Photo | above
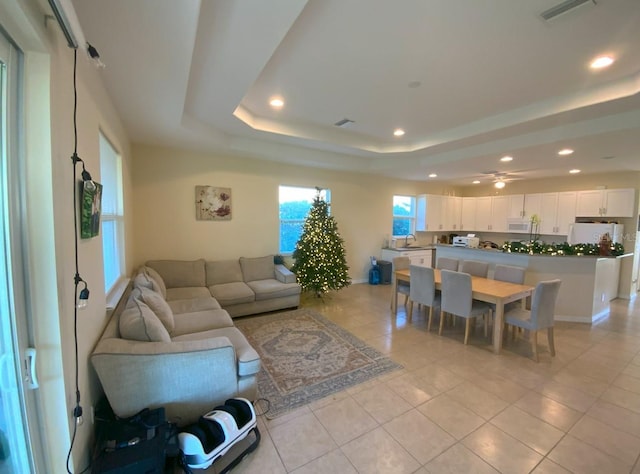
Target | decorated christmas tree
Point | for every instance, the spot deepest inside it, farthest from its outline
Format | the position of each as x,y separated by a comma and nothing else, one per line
320,263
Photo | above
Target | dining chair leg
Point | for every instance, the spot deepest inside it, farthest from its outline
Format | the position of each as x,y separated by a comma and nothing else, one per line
467,327
442,316
410,310
533,335
430,317
552,347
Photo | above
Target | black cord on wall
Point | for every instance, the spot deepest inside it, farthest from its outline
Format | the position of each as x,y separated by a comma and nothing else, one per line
77,411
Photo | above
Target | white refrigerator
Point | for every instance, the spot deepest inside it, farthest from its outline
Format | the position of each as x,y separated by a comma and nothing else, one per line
583,233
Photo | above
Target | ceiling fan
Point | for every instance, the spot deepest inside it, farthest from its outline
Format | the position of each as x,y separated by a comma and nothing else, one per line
500,178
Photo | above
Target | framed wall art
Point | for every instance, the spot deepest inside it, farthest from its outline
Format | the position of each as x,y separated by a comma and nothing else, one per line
213,203
90,209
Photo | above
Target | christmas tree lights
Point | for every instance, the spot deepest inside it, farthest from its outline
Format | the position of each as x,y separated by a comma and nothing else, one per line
320,263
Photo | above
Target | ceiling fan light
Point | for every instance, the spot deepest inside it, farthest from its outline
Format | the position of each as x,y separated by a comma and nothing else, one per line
601,62
499,184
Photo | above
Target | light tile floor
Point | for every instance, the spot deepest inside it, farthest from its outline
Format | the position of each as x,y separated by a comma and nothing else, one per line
462,409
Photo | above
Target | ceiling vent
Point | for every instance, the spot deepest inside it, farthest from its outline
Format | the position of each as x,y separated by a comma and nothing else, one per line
564,7
344,123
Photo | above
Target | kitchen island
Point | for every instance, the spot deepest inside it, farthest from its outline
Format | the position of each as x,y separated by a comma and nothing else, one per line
589,283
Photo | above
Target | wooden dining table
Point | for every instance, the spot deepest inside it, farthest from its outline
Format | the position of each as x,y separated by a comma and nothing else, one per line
483,289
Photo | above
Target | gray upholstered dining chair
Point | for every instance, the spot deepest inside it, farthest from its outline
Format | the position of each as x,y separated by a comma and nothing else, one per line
402,263
423,290
512,274
457,299
540,317
445,263
474,268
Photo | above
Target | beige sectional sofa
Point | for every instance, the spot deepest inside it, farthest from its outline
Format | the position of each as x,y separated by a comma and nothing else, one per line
172,343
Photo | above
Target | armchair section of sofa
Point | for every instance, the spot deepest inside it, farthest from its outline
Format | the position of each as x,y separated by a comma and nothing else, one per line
150,355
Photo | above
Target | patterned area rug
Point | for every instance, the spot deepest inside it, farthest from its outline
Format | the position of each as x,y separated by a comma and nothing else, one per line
306,357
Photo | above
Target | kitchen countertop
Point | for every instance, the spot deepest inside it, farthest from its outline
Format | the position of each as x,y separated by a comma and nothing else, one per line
404,249
532,255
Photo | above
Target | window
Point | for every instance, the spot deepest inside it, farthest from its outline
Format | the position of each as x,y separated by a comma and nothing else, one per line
404,215
112,216
294,207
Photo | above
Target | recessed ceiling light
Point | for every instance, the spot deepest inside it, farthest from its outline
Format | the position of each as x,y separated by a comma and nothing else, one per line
433,175
398,132
565,152
506,158
276,103
499,184
601,62
475,182
574,171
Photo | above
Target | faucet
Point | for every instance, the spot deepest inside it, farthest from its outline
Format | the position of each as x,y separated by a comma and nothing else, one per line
406,239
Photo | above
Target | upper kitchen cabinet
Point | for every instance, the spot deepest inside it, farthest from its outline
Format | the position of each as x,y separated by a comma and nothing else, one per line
557,211
605,203
438,213
468,209
491,213
429,213
451,210
501,208
515,206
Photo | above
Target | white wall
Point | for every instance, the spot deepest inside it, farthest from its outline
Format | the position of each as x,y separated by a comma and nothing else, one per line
164,201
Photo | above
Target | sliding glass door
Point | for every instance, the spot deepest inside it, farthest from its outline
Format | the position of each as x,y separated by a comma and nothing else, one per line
15,377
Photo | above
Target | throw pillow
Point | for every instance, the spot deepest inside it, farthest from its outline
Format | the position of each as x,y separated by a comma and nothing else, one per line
159,306
261,268
157,281
139,323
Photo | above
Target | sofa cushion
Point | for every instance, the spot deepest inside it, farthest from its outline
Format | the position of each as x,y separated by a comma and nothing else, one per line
228,294
187,293
248,358
198,321
268,289
139,323
192,305
261,268
157,304
180,273
223,271
147,277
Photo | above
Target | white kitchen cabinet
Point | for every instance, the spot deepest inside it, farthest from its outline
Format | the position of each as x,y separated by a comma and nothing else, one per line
605,203
483,213
533,205
500,207
429,213
515,206
468,209
557,211
450,212
416,257
437,213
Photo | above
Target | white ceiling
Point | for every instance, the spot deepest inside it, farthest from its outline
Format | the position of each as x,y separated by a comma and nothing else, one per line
494,79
